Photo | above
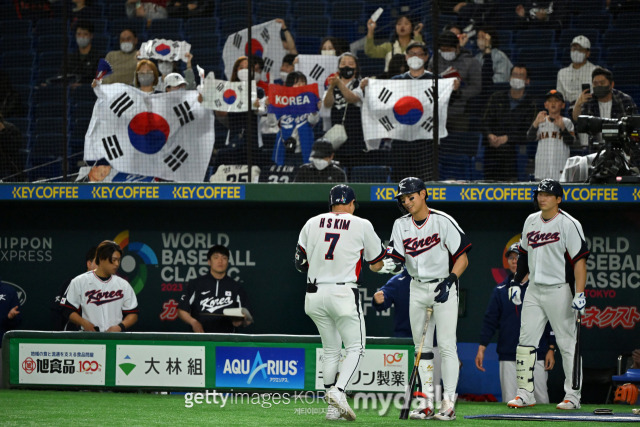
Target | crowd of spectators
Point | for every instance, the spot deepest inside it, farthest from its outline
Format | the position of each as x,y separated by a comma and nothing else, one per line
506,56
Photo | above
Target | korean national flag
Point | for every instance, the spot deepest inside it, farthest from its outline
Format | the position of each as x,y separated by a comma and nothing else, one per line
265,43
317,68
231,97
166,135
164,50
403,109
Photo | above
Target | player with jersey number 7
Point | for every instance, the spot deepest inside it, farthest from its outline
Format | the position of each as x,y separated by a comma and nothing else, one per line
551,239
330,250
434,249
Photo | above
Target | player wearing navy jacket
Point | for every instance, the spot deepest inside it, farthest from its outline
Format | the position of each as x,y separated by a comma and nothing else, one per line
396,292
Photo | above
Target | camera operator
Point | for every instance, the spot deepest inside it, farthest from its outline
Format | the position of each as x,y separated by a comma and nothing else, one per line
605,102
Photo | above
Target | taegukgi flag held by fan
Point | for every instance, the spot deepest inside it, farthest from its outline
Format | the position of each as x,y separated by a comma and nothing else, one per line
166,135
403,109
265,43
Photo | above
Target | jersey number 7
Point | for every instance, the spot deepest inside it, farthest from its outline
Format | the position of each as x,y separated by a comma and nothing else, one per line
333,238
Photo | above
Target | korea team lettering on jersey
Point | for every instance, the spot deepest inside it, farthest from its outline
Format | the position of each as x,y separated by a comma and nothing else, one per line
550,245
348,238
103,303
439,235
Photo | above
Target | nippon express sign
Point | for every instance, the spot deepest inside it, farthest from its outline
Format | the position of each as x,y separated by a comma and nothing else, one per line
260,367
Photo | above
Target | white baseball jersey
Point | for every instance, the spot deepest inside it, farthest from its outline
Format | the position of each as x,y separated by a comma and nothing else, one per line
335,243
550,245
552,153
102,302
428,250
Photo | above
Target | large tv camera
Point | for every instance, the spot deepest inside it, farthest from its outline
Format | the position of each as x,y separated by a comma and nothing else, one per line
618,154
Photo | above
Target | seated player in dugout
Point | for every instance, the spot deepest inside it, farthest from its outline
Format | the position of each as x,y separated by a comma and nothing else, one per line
215,302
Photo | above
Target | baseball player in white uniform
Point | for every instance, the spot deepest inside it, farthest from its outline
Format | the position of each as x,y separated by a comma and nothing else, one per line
555,134
330,249
98,300
434,250
551,239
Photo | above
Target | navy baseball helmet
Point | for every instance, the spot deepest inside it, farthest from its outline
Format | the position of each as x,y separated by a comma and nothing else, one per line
515,248
550,186
341,195
408,186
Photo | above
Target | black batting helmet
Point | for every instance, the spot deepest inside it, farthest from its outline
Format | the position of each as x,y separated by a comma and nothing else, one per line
341,195
550,186
513,248
408,186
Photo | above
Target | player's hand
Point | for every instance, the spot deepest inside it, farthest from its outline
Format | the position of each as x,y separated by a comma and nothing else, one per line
443,287
378,297
579,302
13,312
388,266
549,360
515,293
541,117
197,327
480,358
114,328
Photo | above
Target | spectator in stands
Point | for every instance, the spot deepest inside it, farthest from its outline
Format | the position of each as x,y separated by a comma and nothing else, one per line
10,316
571,78
83,62
333,46
345,108
147,76
147,9
288,43
496,65
605,102
82,11
286,68
321,166
294,141
463,38
174,81
87,306
12,149
405,33
555,135
206,299
504,124
190,8
11,105
397,65
541,14
123,62
168,67
454,63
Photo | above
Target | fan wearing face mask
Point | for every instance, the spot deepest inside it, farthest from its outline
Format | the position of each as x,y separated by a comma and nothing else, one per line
605,101
170,67
84,61
147,76
321,166
452,62
572,77
505,122
123,61
405,33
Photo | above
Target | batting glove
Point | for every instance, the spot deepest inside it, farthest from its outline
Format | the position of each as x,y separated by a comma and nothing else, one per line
443,287
515,293
579,302
388,266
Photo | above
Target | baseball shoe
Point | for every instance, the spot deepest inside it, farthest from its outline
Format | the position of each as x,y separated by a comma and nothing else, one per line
567,405
338,400
333,414
447,411
425,407
519,402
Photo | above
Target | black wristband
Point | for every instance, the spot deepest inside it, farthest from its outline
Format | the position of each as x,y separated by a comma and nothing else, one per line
452,277
122,328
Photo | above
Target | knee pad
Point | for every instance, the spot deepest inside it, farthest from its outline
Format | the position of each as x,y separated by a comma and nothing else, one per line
525,361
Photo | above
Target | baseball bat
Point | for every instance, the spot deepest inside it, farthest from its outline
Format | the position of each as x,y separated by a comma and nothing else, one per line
575,377
408,394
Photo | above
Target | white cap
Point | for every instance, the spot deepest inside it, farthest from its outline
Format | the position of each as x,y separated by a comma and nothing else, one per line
582,41
174,80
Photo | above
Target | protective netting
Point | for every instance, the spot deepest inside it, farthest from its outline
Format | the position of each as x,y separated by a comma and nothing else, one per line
340,91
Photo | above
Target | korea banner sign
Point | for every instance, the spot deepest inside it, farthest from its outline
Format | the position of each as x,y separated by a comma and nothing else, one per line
403,109
293,101
166,135
265,43
164,50
317,68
